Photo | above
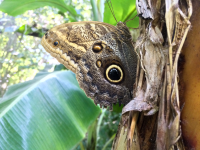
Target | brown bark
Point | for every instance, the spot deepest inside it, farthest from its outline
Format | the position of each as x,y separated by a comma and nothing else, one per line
163,28
190,83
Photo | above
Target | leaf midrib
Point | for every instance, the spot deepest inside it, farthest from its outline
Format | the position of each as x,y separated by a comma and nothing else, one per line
17,98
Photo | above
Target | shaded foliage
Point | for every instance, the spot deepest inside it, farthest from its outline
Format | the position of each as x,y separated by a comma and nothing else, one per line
21,57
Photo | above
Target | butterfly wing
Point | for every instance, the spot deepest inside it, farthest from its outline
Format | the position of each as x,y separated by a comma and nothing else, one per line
100,54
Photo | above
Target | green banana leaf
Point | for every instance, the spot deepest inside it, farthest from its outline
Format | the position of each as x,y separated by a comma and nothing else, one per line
50,112
123,10
17,7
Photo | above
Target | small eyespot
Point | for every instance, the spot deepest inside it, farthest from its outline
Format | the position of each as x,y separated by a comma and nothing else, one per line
56,43
98,63
97,48
114,74
46,35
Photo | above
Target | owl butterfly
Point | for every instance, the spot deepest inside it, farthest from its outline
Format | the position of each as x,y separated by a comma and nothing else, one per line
101,55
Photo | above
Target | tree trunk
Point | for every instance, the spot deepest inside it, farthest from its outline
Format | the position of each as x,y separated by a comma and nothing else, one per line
190,83
152,119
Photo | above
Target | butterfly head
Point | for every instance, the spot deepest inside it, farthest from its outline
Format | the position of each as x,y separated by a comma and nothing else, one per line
56,42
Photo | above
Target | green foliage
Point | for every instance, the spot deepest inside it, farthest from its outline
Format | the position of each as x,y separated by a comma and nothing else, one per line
102,132
51,111
117,108
48,112
19,59
123,10
24,29
18,7
59,67
21,56
108,129
95,11
28,30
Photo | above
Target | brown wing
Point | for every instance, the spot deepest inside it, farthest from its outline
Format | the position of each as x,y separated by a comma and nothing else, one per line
73,40
100,54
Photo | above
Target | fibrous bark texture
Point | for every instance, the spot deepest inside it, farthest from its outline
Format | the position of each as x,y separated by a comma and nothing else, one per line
152,119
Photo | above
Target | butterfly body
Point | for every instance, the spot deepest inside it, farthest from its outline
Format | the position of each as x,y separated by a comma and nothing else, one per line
101,55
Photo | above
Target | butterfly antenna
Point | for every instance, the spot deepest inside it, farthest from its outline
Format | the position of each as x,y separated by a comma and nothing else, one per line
131,19
111,9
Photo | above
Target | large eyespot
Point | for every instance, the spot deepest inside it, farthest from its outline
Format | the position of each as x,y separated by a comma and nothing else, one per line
97,48
56,43
114,74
